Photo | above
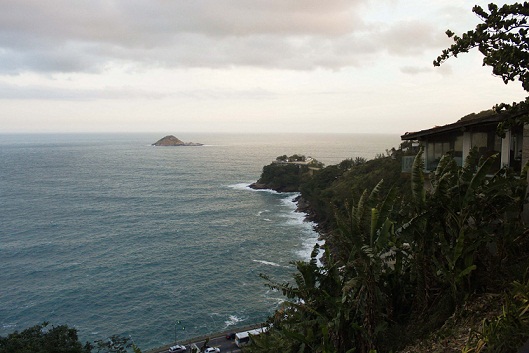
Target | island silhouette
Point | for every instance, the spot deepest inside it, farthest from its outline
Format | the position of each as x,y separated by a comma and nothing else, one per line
171,140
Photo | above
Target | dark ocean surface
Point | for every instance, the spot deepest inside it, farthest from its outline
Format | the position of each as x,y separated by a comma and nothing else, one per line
110,235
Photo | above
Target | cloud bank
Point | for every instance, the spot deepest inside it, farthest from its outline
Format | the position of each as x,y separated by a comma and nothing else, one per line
89,36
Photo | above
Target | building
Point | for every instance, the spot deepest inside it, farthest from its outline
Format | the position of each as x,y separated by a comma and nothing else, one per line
474,130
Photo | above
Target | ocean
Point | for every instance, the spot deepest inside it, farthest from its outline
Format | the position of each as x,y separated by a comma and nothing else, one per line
110,235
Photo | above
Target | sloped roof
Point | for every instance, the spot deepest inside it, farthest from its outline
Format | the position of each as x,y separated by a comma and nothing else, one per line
467,121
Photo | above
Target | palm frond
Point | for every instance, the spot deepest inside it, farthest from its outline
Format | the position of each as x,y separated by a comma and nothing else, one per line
479,177
417,180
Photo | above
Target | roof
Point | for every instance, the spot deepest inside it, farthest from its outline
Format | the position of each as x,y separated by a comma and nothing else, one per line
461,124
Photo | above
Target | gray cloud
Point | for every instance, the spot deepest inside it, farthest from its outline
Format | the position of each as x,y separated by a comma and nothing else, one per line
409,38
84,36
15,92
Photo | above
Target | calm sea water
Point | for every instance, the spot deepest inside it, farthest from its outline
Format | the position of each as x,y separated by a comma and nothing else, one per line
110,235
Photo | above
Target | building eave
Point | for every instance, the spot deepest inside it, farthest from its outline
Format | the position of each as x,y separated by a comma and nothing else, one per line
458,125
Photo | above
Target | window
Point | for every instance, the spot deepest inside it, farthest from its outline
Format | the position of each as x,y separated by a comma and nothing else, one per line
438,146
487,143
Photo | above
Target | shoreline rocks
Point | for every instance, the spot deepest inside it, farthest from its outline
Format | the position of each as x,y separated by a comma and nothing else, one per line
260,186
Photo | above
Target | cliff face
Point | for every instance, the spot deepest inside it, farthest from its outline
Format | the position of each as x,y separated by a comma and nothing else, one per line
281,177
170,140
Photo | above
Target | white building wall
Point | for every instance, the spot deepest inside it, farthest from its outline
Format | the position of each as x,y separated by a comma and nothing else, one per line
506,149
467,145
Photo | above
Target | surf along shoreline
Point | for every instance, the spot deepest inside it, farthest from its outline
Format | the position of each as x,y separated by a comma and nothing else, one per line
302,206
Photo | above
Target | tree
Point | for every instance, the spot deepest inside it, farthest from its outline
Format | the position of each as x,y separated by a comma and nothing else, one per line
116,344
461,228
340,305
503,41
61,339
41,339
364,238
283,158
302,325
282,177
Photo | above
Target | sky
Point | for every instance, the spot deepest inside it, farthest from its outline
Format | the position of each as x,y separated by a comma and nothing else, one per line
241,66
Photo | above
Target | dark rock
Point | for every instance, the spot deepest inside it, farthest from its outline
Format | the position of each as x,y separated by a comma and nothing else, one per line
258,186
261,186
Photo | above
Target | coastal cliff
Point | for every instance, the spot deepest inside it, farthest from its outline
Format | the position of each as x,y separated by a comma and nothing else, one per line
171,140
286,174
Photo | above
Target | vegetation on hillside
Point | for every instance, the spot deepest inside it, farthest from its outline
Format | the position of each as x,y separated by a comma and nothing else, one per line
287,173
402,257
337,185
398,263
399,260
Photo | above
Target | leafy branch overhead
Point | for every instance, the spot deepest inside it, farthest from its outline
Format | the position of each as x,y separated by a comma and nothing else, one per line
502,39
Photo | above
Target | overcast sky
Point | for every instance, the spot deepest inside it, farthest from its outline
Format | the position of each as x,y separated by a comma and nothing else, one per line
238,66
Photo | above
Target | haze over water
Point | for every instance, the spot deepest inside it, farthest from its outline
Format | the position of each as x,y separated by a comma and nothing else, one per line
110,235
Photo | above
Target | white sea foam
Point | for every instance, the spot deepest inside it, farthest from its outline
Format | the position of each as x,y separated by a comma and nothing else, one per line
298,219
308,245
289,200
246,187
266,191
276,300
274,297
267,263
259,214
293,216
241,186
233,320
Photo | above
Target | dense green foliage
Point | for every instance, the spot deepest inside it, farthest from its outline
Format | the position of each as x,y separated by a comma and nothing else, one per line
282,177
336,186
61,339
502,39
509,331
286,174
400,259
424,250
41,339
293,158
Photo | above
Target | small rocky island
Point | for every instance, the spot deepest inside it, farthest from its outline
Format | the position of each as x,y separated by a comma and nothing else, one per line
170,140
